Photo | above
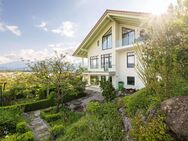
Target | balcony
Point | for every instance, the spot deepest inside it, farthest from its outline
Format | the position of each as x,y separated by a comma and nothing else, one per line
128,43
101,71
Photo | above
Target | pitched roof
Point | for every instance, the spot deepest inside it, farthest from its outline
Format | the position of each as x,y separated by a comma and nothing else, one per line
106,14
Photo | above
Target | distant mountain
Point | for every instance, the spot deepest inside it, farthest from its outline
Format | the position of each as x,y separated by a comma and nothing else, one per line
13,66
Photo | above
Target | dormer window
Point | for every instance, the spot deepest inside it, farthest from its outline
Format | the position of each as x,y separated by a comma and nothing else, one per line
128,36
107,40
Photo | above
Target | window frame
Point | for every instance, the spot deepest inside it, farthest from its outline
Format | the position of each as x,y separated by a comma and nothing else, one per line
127,33
106,36
92,66
129,80
130,54
103,61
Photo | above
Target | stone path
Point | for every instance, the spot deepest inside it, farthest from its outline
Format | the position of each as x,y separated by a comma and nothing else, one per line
80,104
38,126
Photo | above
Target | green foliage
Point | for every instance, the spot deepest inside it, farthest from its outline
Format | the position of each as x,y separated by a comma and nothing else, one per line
163,54
140,101
57,130
31,106
8,120
51,117
22,127
102,122
152,130
41,104
64,117
42,94
108,91
28,136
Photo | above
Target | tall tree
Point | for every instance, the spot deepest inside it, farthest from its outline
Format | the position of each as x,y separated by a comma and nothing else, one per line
163,55
54,72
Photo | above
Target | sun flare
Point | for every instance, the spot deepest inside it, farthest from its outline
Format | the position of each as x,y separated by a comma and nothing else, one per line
158,7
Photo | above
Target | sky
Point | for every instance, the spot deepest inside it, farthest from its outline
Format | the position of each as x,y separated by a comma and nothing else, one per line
34,29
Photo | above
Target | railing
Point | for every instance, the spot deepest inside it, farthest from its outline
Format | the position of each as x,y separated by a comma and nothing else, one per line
104,69
124,43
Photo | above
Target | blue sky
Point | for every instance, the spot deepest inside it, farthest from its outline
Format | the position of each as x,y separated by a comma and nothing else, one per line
32,29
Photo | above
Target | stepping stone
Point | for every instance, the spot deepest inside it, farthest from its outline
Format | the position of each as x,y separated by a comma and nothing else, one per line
38,126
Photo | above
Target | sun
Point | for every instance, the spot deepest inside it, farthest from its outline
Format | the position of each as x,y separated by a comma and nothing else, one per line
158,7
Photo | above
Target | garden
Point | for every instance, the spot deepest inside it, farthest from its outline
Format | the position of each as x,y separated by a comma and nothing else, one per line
53,82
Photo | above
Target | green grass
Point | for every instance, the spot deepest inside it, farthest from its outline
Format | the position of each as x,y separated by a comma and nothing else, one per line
66,117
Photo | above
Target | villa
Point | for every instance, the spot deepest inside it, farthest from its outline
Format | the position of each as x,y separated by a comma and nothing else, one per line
109,47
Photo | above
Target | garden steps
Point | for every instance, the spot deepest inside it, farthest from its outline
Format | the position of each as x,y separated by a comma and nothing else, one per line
80,104
39,127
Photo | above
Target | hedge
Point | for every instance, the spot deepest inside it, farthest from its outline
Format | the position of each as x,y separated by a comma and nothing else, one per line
68,98
41,104
32,106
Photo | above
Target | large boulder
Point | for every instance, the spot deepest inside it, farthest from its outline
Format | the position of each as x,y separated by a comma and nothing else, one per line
176,111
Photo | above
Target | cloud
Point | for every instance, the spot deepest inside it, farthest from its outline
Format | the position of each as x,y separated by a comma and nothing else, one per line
12,28
66,29
43,26
37,55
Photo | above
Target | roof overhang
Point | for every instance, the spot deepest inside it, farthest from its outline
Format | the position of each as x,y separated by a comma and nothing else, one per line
121,17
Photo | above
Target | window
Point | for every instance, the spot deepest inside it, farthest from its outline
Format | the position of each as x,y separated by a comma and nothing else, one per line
94,80
94,62
107,40
98,43
130,80
128,36
106,61
130,60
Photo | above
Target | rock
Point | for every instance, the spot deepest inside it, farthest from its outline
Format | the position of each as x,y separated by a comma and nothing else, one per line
126,124
176,111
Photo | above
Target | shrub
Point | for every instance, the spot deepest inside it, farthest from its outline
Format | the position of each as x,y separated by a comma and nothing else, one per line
28,136
108,90
32,106
140,101
51,117
38,105
68,97
11,138
57,130
102,122
21,127
93,107
42,93
152,130
8,120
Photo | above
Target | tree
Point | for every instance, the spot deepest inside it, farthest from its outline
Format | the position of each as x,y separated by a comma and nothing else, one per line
108,91
163,55
54,72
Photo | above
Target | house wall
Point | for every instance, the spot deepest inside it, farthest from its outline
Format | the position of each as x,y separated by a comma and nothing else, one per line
119,58
95,50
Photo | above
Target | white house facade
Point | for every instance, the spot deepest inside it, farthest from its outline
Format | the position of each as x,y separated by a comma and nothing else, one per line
109,48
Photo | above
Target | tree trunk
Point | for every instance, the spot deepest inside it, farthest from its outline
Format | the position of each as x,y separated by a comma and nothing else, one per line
58,99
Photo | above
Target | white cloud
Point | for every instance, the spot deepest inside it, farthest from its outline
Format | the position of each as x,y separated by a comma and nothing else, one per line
66,29
36,55
43,26
12,28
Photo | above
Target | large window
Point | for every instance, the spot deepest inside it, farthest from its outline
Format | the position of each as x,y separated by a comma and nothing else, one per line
128,36
94,62
130,80
106,61
130,60
107,40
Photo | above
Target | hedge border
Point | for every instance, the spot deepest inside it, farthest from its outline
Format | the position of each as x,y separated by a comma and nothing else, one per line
32,106
41,104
